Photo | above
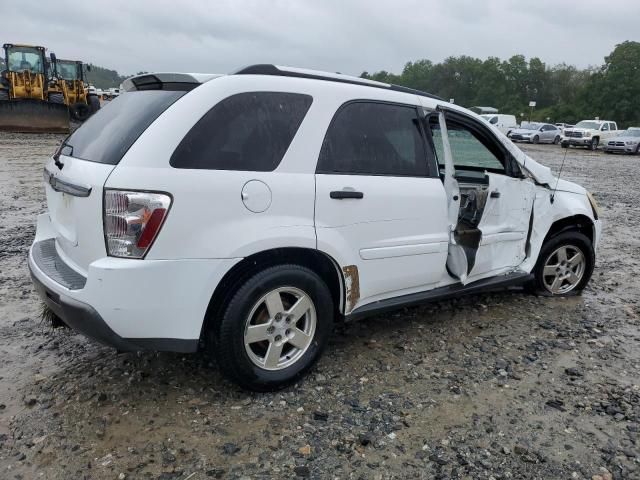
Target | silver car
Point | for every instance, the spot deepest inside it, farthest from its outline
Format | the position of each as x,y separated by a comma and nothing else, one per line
537,133
627,142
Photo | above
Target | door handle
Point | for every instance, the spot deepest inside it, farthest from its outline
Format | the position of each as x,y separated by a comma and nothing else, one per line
340,194
495,194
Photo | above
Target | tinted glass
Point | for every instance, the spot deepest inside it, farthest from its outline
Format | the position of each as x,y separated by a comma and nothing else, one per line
374,139
467,148
111,131
248,131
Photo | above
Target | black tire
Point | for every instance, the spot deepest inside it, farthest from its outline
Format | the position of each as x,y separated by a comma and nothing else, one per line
80,111
556,140
570,238
593,146
226,335
94,103
536,139
56,98
638,149
564,145
4,95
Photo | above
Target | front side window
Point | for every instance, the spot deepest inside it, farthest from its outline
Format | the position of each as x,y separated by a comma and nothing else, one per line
367,138
469,147
248,131
605,127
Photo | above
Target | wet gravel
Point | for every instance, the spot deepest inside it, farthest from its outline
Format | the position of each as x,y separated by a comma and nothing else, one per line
504,385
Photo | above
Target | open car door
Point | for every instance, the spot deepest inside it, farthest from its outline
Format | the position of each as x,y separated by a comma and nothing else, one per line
490,202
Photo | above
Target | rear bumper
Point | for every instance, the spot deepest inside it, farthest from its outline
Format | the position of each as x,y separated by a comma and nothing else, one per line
128,304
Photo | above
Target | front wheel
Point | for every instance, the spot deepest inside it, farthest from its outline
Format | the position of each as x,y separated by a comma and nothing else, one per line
565,265
274,328
536,139
593,146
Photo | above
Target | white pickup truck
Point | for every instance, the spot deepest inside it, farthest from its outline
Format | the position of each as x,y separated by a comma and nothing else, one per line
589,133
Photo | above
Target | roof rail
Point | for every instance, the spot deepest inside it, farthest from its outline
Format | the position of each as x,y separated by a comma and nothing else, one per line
269,69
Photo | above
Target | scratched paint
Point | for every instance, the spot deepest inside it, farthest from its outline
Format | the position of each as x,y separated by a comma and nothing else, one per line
352,286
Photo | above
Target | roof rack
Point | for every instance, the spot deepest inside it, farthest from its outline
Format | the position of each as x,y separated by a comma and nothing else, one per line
269,69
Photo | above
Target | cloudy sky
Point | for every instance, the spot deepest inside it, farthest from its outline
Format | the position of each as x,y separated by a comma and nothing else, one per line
349,36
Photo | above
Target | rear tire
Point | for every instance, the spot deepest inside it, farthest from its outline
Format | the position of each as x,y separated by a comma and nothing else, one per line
80,111
4,95
564,145
56,98
564,265
556,140
274,355
94,103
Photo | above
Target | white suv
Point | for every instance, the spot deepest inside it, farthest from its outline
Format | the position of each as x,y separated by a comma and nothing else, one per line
245,213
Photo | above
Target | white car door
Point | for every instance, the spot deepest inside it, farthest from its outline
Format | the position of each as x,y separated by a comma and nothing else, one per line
496,203
380,205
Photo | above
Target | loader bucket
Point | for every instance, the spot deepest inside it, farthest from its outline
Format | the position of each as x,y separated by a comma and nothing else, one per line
33,116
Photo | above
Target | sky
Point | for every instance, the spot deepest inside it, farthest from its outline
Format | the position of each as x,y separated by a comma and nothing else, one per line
349,36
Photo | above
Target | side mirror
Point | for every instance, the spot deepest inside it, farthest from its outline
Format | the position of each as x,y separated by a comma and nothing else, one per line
53,57
88,68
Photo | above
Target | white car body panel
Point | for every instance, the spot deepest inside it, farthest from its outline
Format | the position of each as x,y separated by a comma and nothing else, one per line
397,236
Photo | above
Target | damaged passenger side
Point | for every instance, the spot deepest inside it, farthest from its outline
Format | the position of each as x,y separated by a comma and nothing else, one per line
474,170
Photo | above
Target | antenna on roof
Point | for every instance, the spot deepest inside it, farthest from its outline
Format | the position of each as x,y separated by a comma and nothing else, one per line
553,195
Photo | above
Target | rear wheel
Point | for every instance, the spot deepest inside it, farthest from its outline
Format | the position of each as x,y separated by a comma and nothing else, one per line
565,265
94,103
80,111
4,95
564,145
274,328
56,98
556,140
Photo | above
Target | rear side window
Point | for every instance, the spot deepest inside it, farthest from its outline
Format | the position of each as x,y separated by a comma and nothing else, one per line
111,131
248,131
374,139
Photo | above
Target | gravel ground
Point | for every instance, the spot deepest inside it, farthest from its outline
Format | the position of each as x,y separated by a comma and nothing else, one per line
503,385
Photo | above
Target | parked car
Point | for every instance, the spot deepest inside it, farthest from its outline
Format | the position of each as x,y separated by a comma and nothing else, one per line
628,141
247,213
562,126
589,133
504,123
537,133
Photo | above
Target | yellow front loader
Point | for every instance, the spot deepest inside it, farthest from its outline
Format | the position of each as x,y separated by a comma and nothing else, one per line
67,85
24,95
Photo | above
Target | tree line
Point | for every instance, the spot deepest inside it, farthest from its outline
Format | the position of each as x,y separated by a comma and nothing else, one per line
563,93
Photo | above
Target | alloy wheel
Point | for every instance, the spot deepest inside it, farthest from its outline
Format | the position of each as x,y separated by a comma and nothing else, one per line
563,270
280,328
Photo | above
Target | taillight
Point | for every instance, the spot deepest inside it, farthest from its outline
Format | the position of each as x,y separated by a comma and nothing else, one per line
132,221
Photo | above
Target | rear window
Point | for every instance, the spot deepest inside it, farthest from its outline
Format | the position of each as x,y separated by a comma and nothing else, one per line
248,131
108,134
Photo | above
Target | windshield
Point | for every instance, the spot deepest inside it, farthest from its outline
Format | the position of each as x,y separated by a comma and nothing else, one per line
25,58
589,125
632,132
531,126
68,70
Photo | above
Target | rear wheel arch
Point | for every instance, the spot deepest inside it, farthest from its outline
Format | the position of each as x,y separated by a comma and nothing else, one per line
319,262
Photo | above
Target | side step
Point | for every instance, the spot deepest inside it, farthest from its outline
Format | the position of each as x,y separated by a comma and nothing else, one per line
485,285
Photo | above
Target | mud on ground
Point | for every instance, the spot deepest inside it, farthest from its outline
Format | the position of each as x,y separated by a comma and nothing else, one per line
503,385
